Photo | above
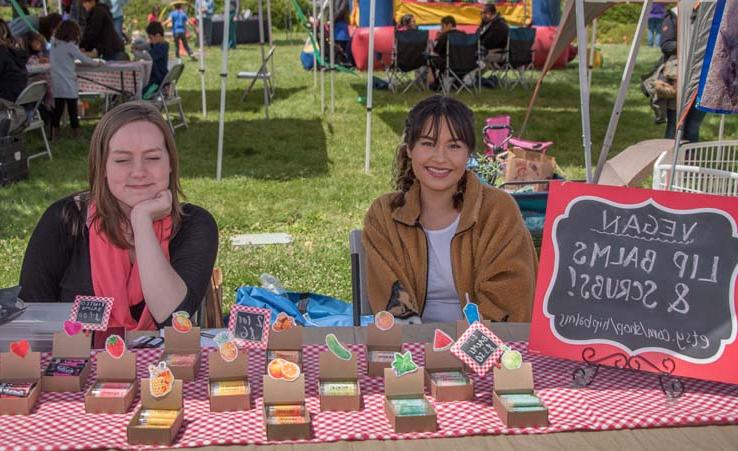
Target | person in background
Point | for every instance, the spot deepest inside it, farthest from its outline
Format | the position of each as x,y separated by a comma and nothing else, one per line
64,52
341,32
207,7
47,25
655,21
35,45
178,21
159,51
493,33
154,14
13,61
443,237
407,22
232,35
100,38
128,236
116,10
438,59
694,118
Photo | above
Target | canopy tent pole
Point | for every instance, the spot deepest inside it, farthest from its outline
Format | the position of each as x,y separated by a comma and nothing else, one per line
583,88
315,33
590,62
223,83
332,38
721,129
369,88
61,10
322,68
201,25
617,109
46,10
263,57
271,42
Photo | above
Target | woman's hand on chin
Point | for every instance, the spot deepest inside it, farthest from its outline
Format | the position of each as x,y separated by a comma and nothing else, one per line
153,209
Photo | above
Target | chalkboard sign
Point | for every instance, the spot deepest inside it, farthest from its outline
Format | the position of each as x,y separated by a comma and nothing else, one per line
640,271
250,326
479,348
92,312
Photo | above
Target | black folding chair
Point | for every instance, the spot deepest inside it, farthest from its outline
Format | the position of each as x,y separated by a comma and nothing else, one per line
408,56
520,57
463,63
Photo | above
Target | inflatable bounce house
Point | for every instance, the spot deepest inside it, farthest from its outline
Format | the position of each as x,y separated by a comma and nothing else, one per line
543,15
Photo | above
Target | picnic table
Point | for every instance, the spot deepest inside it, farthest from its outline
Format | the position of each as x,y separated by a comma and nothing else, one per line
619,400
126,78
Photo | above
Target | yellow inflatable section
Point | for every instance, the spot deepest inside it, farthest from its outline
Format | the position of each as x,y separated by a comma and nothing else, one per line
518,13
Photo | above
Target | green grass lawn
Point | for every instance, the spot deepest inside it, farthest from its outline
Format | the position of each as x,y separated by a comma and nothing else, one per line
303,173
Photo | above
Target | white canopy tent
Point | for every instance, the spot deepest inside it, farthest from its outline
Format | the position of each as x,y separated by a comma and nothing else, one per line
692,39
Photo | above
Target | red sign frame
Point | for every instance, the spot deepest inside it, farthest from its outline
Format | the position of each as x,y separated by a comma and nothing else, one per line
544,340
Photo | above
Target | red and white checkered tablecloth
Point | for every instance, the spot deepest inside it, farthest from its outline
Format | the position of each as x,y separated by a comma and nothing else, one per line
115,77
617,399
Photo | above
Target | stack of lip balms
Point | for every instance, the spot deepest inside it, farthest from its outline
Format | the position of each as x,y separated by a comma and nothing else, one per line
382,356
229,388
286,414
342,388
157,418
411,407
290,356
521,402
110,389
16,390
449,378
181,359
65,367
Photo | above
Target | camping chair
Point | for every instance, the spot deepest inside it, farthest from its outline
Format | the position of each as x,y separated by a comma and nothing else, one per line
358,277
462,61
262,74
166,96
520,56
407,57
30,99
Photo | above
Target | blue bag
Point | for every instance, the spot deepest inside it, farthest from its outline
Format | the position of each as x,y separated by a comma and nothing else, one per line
308,309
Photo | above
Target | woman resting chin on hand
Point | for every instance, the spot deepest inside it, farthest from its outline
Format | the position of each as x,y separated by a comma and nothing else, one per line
128,237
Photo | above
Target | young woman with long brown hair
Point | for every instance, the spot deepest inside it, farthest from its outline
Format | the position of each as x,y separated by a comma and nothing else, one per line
443,235
128,236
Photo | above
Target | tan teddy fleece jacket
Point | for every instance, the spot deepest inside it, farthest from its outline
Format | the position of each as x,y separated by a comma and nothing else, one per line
493,257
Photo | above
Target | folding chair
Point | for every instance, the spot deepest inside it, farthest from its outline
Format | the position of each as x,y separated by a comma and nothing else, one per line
408,56
462,61
30,99
520,56
262,74
166,96
358,277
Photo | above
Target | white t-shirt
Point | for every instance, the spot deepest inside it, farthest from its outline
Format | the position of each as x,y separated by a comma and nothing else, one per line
442,301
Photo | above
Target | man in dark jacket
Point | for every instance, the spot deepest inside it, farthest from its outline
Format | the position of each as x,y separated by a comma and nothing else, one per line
99,33
13,74
669,35
493,33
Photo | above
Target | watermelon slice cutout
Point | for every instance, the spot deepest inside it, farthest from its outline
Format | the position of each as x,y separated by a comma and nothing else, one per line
441,340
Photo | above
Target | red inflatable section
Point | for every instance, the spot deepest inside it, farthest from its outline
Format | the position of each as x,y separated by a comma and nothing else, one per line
384,37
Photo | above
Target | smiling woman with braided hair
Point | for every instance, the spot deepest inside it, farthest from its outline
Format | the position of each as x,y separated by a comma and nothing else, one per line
442,234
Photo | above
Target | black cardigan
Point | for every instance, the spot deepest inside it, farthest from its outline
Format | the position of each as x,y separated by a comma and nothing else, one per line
100,33
56,266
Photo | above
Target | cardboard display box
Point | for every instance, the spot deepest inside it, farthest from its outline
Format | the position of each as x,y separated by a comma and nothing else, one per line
281,392
110,369
286,340
407,387
141,435
333,369
182,343
65,347
381,340
516,381
437,361
15,369
220,370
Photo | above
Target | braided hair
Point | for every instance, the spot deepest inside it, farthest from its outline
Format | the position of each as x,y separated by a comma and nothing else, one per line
425,120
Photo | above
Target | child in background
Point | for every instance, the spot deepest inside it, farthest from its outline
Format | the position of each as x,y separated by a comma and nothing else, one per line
178,21
154,14
139,47
64,51
35,45
159,51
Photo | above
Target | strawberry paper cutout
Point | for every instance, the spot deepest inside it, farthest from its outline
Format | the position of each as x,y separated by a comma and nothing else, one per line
20,348
72,328
115,346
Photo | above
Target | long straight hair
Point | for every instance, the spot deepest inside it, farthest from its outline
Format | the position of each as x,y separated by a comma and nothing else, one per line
425,120
111,219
